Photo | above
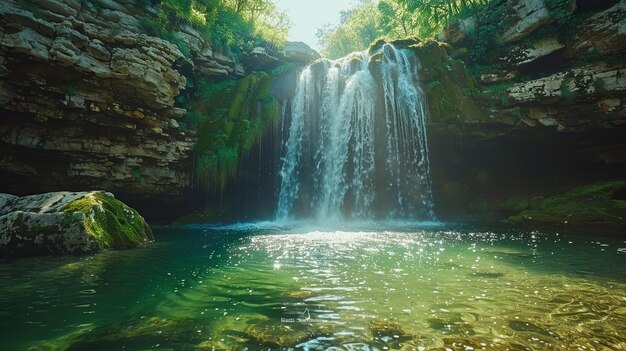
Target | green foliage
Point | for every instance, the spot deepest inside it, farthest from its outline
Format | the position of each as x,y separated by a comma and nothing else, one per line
368,20
70,90
237,24
499,91
217,165
517,203
433,84
566,92
194,119
137,174
599,85
209,90
486,32
230,117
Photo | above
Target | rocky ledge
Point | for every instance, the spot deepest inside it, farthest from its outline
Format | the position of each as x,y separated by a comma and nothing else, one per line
599,205
72,223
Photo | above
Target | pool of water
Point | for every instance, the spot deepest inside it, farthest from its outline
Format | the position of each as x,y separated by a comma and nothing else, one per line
389,286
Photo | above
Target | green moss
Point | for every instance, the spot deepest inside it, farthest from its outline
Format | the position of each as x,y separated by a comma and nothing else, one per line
599,85
70,90
566,92
517,203
449,89
433,84
137,174
110,222
376,45
586,205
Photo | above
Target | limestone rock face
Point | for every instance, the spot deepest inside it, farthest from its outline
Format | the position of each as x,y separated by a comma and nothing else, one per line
67,223
572,95
259,59
87,101
565,79
587,80
294,51
550,117
604,33
526,16
539,48
207,60
300,52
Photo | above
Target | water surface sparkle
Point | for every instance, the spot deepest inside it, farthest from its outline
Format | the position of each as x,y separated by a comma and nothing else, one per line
302,286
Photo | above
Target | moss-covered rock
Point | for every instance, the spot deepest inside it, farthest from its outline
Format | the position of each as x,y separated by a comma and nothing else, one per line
67,223
449,89
593,205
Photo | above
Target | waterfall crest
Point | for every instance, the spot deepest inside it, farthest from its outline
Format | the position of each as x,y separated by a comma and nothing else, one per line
357,145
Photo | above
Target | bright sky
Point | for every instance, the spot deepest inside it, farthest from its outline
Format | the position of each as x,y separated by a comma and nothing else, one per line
309,15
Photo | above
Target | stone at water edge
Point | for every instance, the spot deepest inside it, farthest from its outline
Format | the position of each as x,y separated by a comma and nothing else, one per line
62,223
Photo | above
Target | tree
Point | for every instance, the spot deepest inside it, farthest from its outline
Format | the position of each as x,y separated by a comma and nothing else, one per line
358,27
368,20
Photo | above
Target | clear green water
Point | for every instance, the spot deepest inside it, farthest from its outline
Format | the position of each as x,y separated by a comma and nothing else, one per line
383,288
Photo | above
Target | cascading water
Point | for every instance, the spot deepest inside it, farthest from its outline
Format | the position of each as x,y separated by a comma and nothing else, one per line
357,144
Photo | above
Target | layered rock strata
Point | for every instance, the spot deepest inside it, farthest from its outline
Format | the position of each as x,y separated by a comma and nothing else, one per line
87,101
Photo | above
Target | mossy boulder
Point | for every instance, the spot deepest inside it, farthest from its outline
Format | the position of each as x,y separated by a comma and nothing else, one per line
73,223
598,205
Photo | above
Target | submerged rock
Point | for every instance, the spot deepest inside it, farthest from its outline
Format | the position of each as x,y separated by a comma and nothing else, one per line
384,327
278,334
67,223
138,333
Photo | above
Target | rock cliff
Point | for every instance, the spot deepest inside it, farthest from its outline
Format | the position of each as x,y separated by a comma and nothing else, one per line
90,102
539,110
87,102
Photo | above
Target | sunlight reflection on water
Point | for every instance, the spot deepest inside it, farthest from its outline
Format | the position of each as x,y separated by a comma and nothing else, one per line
299,286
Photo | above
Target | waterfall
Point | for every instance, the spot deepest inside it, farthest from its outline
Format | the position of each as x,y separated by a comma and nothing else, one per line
357,143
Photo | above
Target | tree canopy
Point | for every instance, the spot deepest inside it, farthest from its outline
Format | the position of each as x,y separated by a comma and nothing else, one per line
368,20
239,24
